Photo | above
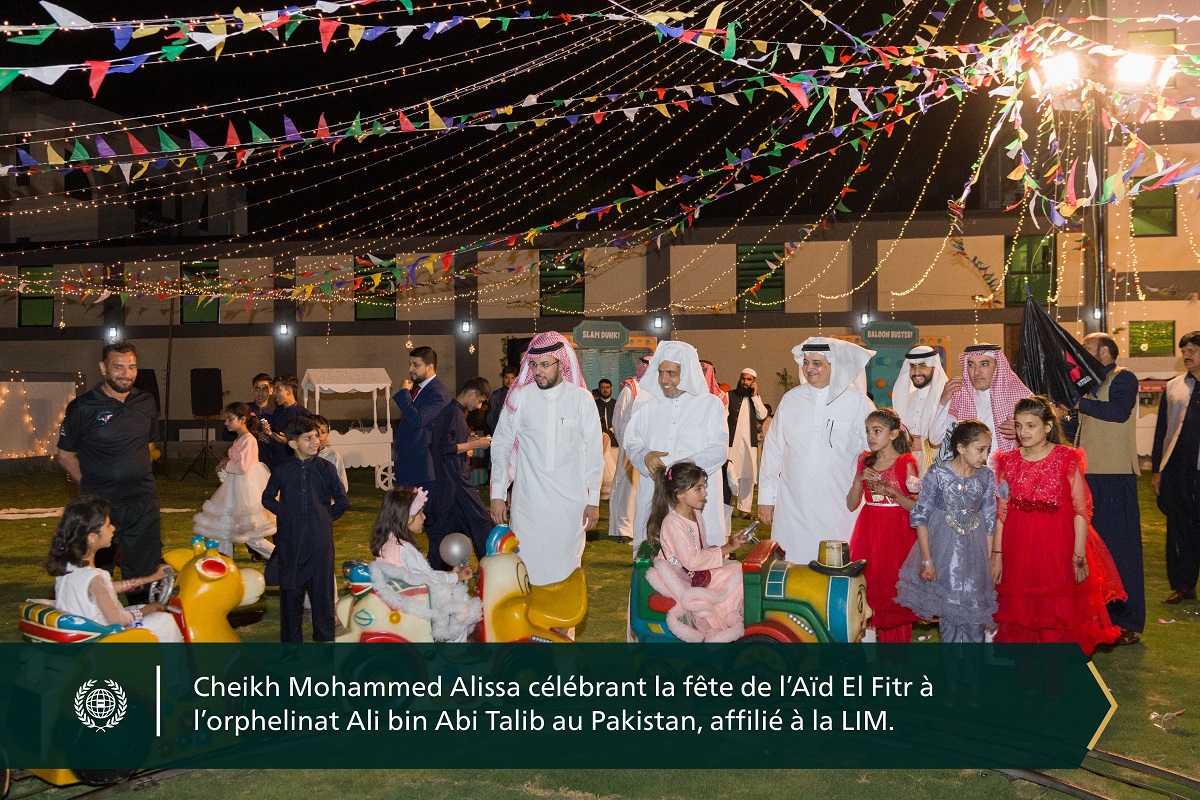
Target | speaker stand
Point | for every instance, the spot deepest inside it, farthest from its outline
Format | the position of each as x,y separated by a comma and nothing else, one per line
202,457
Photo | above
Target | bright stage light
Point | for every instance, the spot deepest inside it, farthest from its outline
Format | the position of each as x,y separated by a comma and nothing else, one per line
1135,71
1061,72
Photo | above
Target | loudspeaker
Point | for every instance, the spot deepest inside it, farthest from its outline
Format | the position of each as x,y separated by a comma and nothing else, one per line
147,381
516,350
208,398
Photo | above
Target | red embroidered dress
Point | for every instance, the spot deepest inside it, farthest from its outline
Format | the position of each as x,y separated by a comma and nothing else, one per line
884,537
1038,596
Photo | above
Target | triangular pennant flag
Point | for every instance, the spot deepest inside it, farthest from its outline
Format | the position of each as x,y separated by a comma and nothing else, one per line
257,136
327,26
7,76
195,142
43,33
79,153
53,158
124,166
405,124
66,19
103,148
249,21
289,130
355,32
126,66
47,75
136,147
166,142
121,36
98,70
435,122
322,128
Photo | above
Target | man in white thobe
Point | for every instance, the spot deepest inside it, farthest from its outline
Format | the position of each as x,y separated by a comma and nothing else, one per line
916,397
549,433
621,501
811,451
987,390
676,419
746,415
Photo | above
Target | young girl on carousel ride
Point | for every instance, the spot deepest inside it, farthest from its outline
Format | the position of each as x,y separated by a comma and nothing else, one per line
1052,571
451,610
82,589
706,587
235,512
883,534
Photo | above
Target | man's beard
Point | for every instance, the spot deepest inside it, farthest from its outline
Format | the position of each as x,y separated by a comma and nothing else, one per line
920,381
118,389
744,391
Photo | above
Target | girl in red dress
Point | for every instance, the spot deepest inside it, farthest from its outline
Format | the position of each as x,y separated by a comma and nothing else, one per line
882,533
1053,573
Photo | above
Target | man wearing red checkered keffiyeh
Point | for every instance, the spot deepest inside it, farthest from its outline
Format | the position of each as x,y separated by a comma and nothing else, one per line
986,390
547,445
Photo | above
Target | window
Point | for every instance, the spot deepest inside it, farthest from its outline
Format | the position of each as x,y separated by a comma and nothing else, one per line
199,278
1031,263
1152,338
1159,44
560,275
35,308
375,299
1153,212
752,264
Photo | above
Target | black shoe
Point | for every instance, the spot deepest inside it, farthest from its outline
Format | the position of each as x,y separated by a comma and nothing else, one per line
1179,595
1127,637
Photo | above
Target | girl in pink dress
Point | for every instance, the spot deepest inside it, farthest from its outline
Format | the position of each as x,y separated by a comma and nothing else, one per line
882,534
1052,572
451,611
706,587
235,512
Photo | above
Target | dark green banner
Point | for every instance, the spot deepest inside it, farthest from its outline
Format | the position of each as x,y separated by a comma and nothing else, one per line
759,705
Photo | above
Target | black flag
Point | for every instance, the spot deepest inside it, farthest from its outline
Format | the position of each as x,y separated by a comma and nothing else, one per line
1050,362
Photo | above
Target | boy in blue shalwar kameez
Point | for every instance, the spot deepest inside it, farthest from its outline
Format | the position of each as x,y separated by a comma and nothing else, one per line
306,496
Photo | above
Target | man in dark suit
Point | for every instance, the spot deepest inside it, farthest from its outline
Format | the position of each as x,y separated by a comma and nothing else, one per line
456,505
420,399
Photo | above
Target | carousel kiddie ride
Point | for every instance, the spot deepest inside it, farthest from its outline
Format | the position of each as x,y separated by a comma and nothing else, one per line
200,592
513,609
202,589
822,601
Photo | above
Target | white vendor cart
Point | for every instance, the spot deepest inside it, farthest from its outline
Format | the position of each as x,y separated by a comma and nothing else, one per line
358,447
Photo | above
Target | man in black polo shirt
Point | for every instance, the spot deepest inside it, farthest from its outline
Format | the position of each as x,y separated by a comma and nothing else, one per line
104,445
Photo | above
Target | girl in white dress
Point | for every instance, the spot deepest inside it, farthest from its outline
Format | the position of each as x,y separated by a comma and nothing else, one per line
235,512
83,590
402,515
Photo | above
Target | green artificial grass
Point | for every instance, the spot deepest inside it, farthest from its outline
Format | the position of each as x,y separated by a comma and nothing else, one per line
1159,675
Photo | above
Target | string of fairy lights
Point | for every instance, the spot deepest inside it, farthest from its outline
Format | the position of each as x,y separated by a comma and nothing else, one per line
655,196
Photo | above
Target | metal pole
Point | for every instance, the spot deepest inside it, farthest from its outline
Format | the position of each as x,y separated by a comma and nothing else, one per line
1099,212
1099,8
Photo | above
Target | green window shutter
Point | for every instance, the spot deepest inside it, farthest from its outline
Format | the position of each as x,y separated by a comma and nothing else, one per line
1153,212
560,283
753,262
35,309
199,277
371,301
1032,262
1152,338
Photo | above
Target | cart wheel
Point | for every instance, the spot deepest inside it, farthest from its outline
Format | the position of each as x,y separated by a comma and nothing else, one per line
384,478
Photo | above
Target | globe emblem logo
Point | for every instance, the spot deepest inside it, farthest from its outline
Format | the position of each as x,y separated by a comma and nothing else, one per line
100,708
